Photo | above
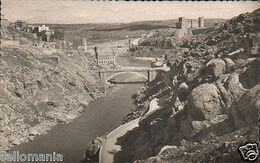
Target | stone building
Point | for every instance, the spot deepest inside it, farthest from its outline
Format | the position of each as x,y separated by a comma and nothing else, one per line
190,23
106,60
48,36
83,45
104,56
19,24
43,28
201,22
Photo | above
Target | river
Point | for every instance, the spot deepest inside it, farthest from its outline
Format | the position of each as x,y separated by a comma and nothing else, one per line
100,117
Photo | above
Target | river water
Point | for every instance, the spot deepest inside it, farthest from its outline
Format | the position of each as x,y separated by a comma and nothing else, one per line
100,117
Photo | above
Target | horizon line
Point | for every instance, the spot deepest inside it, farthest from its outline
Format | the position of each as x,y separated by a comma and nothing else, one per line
118,22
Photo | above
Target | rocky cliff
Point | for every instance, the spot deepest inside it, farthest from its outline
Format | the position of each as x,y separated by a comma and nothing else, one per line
38,91
209,101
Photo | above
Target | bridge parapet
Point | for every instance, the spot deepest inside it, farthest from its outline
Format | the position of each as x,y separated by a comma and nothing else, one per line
149,72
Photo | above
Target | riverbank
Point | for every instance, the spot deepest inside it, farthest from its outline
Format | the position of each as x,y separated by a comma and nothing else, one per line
100,117
96,118
39,91
110,141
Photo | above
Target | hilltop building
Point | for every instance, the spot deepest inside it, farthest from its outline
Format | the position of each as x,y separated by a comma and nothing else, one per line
28,28
201,22
43,28
19,24
190,23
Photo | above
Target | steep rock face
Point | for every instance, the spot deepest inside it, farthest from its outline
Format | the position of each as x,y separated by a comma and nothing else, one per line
215,99
37,91
214,108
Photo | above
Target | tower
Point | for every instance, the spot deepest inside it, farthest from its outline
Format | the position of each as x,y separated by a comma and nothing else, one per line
201,22
180,24
48,36
84,42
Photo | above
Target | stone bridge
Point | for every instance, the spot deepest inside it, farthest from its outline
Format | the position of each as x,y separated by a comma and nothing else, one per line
148,72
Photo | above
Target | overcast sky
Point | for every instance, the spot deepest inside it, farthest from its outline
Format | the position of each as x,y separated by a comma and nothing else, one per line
82,11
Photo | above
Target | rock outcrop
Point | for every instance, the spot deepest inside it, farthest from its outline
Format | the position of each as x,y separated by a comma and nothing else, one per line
211,107
38,91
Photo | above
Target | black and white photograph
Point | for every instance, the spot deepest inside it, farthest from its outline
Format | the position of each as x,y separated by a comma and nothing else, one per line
86,81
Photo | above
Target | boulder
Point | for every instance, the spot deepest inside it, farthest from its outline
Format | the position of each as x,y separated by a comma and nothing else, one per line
245,111
216,67
250,76
229,64
199,126
234,87
204,102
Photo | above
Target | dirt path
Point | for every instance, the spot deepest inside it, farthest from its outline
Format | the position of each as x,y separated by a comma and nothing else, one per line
109,147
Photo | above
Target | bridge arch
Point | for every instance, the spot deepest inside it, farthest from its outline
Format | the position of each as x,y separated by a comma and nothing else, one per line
118,73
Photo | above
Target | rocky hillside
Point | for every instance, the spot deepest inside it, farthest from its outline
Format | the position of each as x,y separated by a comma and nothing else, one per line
38,91
209,101
160,42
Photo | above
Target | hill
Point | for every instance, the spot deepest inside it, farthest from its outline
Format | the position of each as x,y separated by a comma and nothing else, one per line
214,97
39,91
206,106
141,25
103,32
